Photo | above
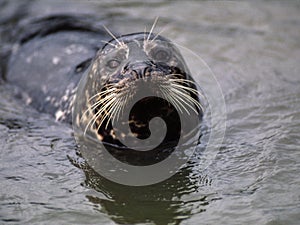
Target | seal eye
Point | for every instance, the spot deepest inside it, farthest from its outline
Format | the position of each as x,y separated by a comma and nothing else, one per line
113,63
162,55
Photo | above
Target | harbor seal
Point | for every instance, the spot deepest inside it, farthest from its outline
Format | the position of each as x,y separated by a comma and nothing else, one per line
128,66
49,62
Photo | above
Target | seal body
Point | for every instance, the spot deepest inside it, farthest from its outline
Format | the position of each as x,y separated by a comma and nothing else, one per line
55,53
49,58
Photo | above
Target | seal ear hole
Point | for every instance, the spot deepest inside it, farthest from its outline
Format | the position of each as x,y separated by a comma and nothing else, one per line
83,65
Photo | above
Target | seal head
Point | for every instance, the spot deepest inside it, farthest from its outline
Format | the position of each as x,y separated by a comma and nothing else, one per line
141,64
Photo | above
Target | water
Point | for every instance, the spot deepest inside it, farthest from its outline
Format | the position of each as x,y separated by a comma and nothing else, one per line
254,51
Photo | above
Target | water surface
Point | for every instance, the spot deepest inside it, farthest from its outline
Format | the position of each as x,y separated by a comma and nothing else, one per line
254,51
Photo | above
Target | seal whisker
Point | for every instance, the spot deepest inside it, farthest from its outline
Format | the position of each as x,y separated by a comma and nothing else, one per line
183,81
113,36
125,99
152,28
145,31
111,108
120,99
185,96
98,116
92,121
165,93
112,112
186,88
181,101
102,101
111,104
174,100
197,104
159,33
89,109
182,92
194,90
96,104
102,93
120,106
117,109
111,44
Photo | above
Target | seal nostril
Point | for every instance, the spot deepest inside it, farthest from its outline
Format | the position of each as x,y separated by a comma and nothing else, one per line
126,67
137,70
142,69
144,72
147,71
135,74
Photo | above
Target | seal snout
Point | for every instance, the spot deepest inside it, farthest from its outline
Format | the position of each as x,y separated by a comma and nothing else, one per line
142,70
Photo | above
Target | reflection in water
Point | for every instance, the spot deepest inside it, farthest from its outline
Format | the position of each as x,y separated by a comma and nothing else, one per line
162,203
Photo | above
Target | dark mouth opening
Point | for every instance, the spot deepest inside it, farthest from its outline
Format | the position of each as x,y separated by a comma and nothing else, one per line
139,118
